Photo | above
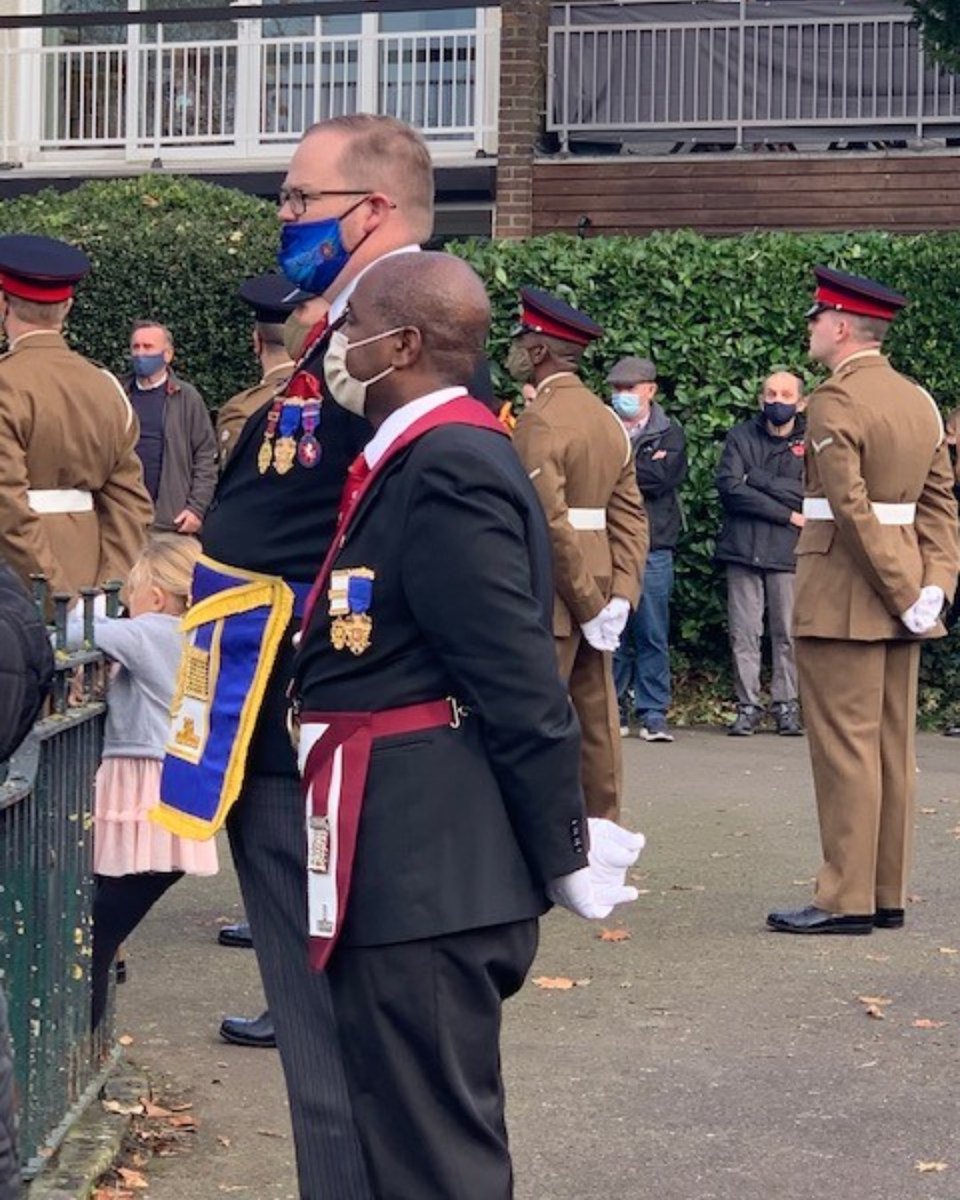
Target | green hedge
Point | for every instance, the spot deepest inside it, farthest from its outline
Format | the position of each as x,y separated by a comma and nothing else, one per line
716,315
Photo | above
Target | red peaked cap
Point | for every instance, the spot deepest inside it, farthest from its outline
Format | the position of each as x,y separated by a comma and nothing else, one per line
38,268
542,313
854,294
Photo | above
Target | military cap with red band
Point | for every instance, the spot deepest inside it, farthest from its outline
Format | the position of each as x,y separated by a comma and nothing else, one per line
542,313
39,268
854,294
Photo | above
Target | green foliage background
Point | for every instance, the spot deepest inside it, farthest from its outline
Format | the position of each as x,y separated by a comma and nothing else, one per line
715,314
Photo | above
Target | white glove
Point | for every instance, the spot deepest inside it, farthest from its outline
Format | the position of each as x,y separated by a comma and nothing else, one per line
595,890
924,613
618,611
598,633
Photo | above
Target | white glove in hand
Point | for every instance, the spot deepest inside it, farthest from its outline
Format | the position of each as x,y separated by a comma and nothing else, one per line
617,610
598,633
924,613
595,890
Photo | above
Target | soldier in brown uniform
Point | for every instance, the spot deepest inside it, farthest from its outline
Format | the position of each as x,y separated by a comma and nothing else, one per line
72,502
877,557
270,298
579,458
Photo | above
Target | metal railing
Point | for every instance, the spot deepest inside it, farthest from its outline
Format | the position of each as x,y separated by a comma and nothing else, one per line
737,72
243,96
46,905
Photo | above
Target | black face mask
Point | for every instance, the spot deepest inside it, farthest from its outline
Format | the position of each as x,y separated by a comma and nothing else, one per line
778,413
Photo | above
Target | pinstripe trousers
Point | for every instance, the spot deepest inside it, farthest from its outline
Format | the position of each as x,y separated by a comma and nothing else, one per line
269,848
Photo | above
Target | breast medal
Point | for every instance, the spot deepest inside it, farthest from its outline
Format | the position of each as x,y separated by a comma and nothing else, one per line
285,449
351,597
265,457
308,452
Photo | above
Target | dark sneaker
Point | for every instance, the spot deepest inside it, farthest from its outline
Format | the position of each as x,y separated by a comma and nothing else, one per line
748,719
786,713
654,728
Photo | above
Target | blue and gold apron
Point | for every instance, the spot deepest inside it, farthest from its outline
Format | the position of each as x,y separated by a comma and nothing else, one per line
234,629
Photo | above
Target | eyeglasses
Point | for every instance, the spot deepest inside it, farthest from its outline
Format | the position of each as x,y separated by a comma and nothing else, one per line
297,199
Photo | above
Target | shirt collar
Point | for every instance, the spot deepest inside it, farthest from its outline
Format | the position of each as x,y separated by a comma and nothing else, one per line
32,333
287,365
552,379
857,354
339,302
400,421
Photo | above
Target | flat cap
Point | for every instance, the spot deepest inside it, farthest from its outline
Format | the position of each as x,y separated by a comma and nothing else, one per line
270,297
542,313
631,370
39,268
854,294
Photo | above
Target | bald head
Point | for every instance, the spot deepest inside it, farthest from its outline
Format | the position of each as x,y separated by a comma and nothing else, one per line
441,296
783,386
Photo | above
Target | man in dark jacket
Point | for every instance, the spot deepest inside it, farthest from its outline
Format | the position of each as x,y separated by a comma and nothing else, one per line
760,481
26,669
177,446
660,455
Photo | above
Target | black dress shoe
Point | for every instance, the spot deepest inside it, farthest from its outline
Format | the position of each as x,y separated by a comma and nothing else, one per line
815,920
244,1031
889,918
236,935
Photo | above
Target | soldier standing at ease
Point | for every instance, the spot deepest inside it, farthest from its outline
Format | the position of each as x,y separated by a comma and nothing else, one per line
876,559
269,297
579,458
72,502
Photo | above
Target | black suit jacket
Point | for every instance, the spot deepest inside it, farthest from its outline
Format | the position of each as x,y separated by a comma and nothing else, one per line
461,828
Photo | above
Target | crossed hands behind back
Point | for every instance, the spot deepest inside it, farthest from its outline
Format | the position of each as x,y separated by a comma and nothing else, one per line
595,890
924,613
603,631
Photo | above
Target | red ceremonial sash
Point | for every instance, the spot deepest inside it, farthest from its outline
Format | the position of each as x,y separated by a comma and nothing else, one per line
335,747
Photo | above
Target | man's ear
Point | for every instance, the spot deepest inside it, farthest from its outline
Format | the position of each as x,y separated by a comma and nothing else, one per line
410,348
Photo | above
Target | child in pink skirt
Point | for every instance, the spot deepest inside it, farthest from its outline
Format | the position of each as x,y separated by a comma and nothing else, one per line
135,861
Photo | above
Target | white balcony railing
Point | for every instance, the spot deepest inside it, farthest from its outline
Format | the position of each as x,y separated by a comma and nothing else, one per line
242,98
735,71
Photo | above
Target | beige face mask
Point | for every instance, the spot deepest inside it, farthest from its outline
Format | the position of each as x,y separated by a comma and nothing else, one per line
294,335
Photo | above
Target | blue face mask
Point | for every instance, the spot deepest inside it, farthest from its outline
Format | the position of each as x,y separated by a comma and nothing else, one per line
145,365
312,253
625,404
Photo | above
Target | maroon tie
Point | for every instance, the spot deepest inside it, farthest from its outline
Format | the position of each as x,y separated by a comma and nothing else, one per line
357,474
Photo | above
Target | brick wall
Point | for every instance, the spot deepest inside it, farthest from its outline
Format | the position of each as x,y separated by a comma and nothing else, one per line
522,92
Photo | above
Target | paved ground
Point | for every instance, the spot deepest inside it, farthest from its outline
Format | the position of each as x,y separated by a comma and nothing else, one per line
706,1059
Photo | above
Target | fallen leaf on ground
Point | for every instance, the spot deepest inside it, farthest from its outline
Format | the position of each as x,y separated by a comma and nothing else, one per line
132,1179
614,935
873,1011
125,1039
915,898
928,812
878,957
925,1167
180,1107
155,1110
271,1133
112,1193
183,1122
558,983
926,1023
877,1000
123,1108
948,950
224,1141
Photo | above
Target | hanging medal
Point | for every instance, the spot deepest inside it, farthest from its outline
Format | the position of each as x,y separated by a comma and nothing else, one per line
354,594
308,452
285,448
265,457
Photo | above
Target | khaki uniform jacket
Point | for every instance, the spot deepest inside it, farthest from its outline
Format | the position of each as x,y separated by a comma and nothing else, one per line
66,423
873,436
578,455
232,416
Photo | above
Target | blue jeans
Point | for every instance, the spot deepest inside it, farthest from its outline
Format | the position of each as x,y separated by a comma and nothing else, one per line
643,660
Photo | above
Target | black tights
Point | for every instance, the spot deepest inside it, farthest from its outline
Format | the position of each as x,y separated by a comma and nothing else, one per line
120,903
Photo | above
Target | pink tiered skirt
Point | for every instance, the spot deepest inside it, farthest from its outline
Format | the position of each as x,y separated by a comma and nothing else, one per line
125,841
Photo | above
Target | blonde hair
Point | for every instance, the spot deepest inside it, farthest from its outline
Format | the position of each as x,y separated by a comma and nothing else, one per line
386,155
167,562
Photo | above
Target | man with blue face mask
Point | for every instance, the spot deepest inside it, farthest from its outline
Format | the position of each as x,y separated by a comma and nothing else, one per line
358,189
641,665
176,447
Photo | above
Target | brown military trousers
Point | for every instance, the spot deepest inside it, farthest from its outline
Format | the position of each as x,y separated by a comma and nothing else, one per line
859,707
588,674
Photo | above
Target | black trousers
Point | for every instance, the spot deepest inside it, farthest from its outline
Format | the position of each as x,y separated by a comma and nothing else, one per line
269,845
420,1033
9,1169
120,902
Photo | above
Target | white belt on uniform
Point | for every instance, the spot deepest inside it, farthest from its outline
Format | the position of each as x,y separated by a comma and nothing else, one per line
60,500
817,508
587,518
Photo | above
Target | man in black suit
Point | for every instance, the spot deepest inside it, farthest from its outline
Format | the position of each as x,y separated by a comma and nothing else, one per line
357,188
439,750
